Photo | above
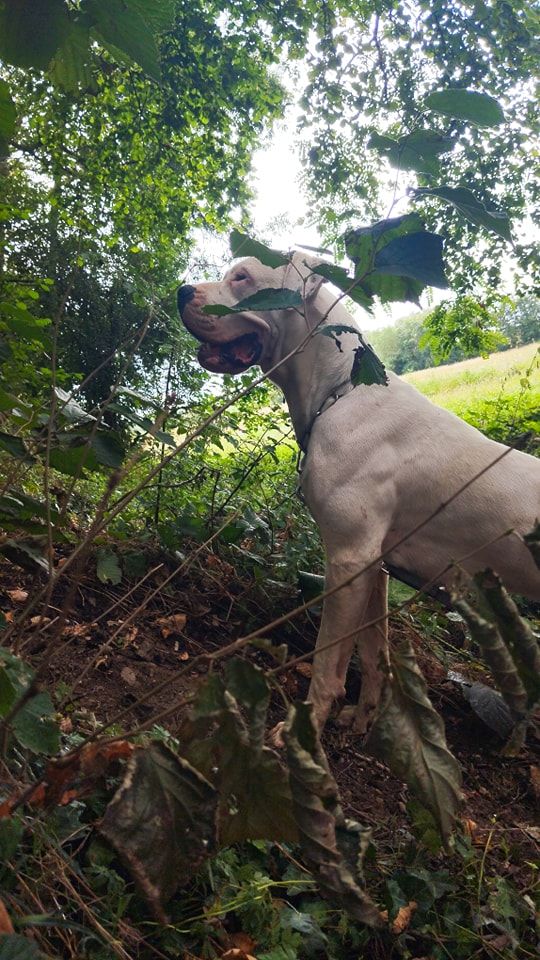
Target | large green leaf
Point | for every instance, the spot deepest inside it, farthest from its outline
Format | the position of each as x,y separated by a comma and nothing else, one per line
419,150
108,448
319,817
8,117
73,460
108,568
408,734
363,243
243,246
158,14
71,67
162,822
269,299
477,108
120,24
15,446
367,368
471,207
349,285
35,727
32,30
417,255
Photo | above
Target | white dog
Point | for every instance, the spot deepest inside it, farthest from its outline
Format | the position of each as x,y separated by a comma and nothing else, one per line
379,461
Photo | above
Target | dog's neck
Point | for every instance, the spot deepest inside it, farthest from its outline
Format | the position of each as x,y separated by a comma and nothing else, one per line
310,377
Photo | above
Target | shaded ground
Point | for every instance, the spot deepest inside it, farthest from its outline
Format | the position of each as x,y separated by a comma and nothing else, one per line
107,661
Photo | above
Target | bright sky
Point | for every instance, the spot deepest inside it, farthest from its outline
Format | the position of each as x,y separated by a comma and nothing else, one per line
279,197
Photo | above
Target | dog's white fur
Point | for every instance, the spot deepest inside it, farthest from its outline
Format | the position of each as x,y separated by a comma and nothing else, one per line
379,461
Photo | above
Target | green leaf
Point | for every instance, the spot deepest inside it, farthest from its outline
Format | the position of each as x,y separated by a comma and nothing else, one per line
477,108
417,255
31,31
8,117
159,14
107,567
408,735
121,25
514,630
162,822
26,554
15,446
367,368
34,726
364,244
471,207
108,448
268,299
310,584
73,460
318,815
71,67
419,150
243,246
15,947
8,692
20,321
143,422
349,285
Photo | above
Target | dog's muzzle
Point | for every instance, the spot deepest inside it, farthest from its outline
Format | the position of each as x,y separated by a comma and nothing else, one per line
219,356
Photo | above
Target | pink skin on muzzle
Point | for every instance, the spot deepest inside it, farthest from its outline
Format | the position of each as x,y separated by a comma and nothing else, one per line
229,344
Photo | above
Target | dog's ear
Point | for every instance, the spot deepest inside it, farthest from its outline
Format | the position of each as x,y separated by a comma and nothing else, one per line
299,274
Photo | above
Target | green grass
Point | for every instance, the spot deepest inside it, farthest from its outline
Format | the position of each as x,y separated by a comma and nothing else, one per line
459,386
499,394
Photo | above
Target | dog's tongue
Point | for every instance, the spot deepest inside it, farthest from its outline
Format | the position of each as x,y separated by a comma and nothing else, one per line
231,357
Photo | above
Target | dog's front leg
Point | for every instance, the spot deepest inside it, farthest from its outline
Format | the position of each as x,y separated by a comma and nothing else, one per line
344,614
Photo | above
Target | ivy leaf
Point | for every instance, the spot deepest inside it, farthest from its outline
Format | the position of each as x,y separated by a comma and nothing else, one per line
31,31
471,207
268,299
107,567
408,735
477,108
35,727
243,246
417,255
121,25
367,368
419,150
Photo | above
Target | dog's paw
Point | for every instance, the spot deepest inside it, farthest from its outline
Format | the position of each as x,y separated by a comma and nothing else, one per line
276,736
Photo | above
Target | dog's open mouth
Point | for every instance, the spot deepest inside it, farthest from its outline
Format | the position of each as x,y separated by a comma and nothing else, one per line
232,357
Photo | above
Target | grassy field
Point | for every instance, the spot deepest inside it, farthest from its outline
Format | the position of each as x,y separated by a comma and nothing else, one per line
500,394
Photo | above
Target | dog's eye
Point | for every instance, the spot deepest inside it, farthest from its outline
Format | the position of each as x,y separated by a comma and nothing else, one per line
240,276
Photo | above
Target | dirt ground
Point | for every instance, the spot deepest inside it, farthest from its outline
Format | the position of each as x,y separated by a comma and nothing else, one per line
107,661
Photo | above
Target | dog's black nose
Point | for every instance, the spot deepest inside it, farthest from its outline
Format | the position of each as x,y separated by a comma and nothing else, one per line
184,295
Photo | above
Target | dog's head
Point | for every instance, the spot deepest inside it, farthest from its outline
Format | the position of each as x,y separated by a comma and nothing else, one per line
232,343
